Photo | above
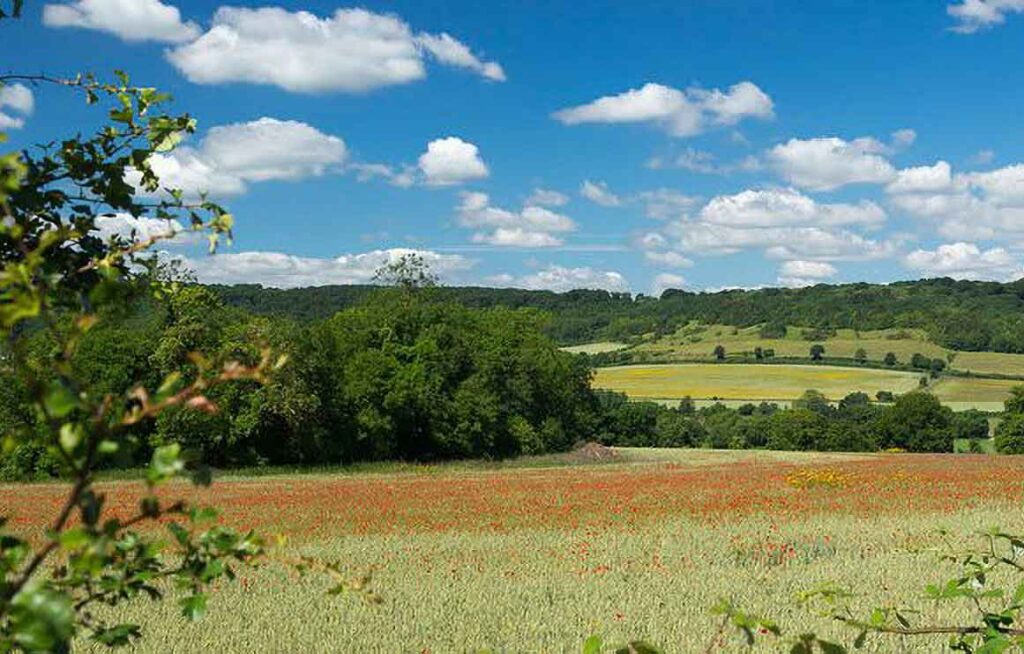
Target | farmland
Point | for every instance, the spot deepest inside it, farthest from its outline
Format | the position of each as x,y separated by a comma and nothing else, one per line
748,382
695,342
638,547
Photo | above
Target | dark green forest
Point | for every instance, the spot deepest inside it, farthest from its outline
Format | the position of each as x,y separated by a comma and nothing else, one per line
960,315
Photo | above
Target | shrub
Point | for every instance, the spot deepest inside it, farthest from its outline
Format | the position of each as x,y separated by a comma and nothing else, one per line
1010,435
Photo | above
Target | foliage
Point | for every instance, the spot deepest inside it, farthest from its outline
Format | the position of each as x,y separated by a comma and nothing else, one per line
956,314
1009,438
59,281
983,585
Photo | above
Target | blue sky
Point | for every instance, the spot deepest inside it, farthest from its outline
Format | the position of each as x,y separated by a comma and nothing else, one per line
629,146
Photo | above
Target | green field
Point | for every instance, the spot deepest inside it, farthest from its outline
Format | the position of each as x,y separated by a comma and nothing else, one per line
698,341
595,348
749,381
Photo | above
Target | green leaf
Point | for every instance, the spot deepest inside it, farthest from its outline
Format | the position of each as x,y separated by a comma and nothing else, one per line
165,464
60,401
193,607
118,635
593,645
42,620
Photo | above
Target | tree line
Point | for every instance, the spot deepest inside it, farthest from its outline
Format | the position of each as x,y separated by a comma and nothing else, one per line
411,374
959,315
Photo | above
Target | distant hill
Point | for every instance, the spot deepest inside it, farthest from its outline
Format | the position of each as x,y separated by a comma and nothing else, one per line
960,315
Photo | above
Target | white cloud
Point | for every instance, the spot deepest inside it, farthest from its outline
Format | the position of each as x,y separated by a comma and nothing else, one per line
447,50
560,279
786,207
354,50
664,203
16,98
598,193
967,206
806,243
143,228
824,164
532,226
805,273
975,15
279,270
131,20
669,258
547,198
230,156
450,161
664,281
966,261
934,178
680,113
903,138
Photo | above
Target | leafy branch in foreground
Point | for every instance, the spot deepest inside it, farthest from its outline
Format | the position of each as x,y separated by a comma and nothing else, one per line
996,625
60,276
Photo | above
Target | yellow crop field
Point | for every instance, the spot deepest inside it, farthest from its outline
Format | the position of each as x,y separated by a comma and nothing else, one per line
985,394
990,362
749,381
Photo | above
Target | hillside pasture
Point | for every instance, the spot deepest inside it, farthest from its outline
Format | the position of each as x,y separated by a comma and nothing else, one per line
537,560
748,381
974,392
698,341
595,348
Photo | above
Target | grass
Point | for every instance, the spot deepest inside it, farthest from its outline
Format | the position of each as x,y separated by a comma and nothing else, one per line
697,341
595,348
974,391
538,559
749,382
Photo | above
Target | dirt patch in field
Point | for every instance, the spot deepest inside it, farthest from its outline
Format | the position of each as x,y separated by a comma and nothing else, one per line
588,452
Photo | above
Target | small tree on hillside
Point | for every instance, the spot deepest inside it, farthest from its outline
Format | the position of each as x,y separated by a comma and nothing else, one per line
1015,403
719,352
817,352
890,359
758,353
860,356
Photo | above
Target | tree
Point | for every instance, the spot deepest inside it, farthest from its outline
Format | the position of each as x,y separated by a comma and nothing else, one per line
970,425
861,355
817,352
1015,403
1009,437
769,353
758,353
920,361
917,422
890,359
719,352
937,366
813,400
884,396
59,280
409,270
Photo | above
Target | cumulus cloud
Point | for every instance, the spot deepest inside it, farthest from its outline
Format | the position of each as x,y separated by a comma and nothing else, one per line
449,161
532,226
15,99
354,50
786,207
805,273
664,281
967,206
681,113
936,178
279,270
231,156
974,15
142,228
598,193
542,197
560,279
824,164
806,243
130,20
668,258
966,261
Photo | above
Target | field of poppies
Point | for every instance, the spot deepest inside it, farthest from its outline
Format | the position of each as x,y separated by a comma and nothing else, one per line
641,544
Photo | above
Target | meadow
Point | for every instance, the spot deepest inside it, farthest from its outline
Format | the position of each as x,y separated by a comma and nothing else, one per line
696,341
537,559
749,381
